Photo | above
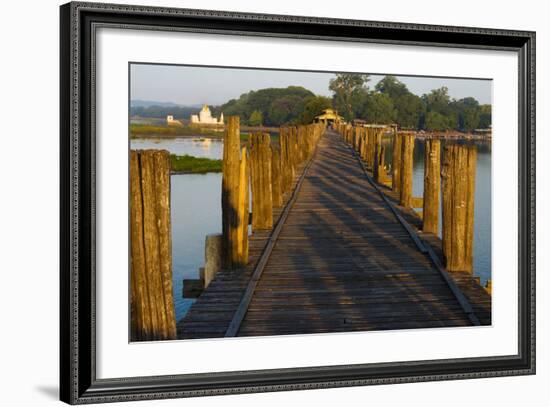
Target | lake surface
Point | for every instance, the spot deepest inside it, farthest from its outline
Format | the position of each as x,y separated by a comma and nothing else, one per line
195,146
196,208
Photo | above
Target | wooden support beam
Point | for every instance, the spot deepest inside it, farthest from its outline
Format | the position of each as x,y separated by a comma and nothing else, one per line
152,304
260,172
396,161
230,191
379,171
432,185
241,258
406,172
276,177
212,258
459,170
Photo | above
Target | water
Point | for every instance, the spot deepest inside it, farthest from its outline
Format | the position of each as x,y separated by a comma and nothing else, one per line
195,146
196,208
482,204
196,212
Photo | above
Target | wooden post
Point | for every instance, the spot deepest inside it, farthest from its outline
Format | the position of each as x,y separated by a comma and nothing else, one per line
276,177
152,304
396,161
212,258
406,173
364,147
294,148
432,182
287,163
260,171
356,135
243,211
378,155
459,170
371,148
231,168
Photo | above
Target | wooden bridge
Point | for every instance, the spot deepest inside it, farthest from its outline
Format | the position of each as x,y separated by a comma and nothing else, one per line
342,255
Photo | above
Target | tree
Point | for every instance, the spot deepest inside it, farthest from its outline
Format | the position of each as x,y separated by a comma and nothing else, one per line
313,107
379,108
284,110
437,122
438,101
392,87
348,90
409,109
468,113
408,106
256,118
278,106
484,116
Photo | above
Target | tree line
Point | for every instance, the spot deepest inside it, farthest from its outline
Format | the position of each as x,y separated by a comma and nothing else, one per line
391,102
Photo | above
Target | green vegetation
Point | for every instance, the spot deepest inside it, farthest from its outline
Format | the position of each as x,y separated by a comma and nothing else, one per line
350,92
391,102
313,106
256,118
137,130
194,165
269,107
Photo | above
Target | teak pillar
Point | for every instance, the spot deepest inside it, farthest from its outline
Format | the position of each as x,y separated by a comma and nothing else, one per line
378,164
406,173
243,211
276,177
459,170
396,162
260,172
152,304
234,196
432,185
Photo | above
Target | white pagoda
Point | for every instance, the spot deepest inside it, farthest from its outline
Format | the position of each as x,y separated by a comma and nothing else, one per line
205,117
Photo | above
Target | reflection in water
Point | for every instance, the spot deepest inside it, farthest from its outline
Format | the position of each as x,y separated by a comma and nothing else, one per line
195,146
196,207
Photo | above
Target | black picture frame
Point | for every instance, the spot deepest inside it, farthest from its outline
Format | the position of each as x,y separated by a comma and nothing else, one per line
78,382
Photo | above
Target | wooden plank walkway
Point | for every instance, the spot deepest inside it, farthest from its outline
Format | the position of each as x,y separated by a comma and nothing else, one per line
342,262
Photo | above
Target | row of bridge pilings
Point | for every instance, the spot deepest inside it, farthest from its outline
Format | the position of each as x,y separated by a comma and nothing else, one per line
266,169
449,181
258,173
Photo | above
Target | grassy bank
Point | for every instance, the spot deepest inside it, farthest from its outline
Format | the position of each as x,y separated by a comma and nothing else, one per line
147,130
186,164
151,131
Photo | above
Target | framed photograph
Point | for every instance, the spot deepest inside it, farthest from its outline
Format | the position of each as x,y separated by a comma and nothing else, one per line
255,203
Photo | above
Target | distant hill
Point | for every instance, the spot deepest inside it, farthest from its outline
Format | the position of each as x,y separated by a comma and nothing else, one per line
148,103
154,109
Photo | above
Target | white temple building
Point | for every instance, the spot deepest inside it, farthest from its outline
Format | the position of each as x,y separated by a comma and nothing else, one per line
205,117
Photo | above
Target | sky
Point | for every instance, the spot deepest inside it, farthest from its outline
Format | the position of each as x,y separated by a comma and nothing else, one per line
191,85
